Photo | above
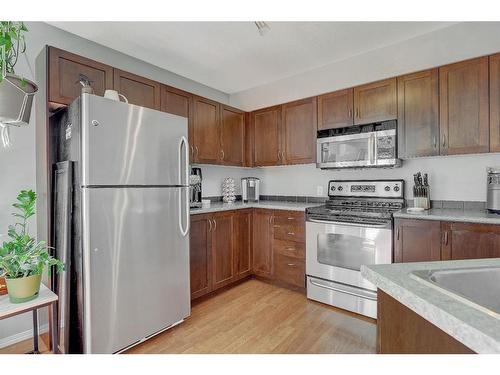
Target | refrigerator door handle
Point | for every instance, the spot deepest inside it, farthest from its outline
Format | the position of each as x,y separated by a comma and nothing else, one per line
183,167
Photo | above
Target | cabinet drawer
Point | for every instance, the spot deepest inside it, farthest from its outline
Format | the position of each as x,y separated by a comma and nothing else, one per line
289,270
290,248
289,217
289,232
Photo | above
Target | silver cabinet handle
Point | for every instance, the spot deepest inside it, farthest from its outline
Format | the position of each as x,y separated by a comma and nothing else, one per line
290,218
271,219
291,234
196,149
434,142
222,154
192,151
397,234
215,225
445,239
291,264
279,155
290,248
343,291
444,140
357,112
283,155
350,113
209,225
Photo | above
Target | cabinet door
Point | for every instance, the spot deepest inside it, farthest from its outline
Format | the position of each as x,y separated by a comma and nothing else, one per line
232,136
200,260
417,240
418,114
64,71
375,102
267,136
138,90
470,241
179,103
495,103
335,110
222,249
299,124
242,232
464,107
262,242
206,131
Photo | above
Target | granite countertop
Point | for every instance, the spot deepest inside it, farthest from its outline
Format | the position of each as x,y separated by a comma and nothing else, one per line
451,214
471,326
273,205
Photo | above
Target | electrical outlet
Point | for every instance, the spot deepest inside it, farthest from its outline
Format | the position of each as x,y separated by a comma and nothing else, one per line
319,191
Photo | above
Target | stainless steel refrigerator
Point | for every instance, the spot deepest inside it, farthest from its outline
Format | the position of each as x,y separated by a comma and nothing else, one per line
120,221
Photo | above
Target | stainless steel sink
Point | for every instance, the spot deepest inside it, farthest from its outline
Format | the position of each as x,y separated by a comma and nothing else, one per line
479,286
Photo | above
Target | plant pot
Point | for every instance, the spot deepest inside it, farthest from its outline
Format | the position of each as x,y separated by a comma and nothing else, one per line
3,286
23,289
16,98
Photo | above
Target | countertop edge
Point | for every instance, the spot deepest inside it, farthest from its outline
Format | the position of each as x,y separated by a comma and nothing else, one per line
453,215
460,330
220,207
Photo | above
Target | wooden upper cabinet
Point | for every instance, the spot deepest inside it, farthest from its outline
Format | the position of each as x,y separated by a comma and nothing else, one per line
298,129
206,138
375,102
200,258
495,103
242,232
222,249
417,240
138,90
176,101
464,107
336,109
249,141
64,71
470,241
262,242
232,136
418,114
267,141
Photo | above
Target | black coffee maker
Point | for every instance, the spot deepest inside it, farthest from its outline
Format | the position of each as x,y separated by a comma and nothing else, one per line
195,188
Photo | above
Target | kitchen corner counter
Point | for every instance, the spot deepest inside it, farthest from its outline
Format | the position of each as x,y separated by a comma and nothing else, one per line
476,329
451,214
271,205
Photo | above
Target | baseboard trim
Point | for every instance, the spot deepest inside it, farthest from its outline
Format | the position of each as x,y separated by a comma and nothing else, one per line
21,336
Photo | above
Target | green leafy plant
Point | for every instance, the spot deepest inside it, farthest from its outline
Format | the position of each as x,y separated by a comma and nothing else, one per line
23,256
12,44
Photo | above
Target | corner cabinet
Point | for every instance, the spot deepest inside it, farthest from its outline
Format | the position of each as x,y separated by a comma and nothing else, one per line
418,114
138,90
495,103
262,242
200,255
464,107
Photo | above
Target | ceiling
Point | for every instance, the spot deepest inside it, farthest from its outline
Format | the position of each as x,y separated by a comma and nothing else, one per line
233,57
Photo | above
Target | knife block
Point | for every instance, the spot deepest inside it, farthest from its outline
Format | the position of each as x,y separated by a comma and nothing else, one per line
423,199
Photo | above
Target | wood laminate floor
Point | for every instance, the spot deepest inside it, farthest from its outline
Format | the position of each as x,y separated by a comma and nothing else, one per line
256,317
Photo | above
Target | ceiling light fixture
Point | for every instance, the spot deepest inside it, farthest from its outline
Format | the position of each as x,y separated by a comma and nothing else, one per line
262,27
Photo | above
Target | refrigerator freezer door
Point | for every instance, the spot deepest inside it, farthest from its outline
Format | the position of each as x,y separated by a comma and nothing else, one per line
136,264
124,144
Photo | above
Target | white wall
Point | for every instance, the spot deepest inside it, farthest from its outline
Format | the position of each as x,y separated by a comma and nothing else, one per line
454,43
212,177
460,178
17,163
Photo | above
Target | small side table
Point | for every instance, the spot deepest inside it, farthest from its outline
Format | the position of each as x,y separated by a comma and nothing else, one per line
46,297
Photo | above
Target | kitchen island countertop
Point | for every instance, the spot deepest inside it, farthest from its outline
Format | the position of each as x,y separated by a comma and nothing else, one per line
473,327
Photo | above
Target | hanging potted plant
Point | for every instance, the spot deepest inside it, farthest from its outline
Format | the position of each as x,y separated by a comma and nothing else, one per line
23,259
16,93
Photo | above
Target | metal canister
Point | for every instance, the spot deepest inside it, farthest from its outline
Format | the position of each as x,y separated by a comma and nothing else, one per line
493,190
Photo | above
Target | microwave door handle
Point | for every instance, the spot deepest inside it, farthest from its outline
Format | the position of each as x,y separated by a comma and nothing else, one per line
371,149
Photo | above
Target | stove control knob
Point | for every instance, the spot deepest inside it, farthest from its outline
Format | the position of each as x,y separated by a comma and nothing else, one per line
387,188
340,188
396,188
332,188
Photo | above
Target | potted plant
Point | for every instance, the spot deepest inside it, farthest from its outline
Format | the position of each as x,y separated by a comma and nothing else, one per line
16,93
23,259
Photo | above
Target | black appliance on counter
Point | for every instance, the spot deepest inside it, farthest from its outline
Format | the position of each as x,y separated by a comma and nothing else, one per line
195,188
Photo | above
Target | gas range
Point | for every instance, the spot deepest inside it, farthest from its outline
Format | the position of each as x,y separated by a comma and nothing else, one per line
360,201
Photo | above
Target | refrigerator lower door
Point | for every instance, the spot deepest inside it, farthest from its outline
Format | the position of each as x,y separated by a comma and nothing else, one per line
136,264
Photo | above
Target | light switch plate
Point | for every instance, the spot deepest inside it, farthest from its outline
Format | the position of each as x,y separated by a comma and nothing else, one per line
319,190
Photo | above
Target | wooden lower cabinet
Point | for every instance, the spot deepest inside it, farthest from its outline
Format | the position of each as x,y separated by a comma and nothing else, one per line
242,243
222,249
262,242
417,240
200,255
402,331
430,240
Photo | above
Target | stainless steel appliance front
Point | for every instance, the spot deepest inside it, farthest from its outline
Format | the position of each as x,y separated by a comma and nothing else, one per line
370,149
335,253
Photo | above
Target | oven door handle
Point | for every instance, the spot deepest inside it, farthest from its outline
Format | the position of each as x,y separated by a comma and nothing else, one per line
348,224
343,291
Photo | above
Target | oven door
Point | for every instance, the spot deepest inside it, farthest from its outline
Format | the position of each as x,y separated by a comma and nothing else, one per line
336,251
347,151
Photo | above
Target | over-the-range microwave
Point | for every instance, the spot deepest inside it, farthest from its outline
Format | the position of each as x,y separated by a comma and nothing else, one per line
365,146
